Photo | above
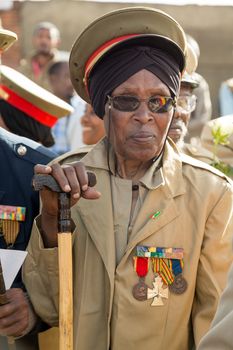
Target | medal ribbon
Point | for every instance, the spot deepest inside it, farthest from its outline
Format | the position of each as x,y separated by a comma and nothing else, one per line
163,268
177,266
141,266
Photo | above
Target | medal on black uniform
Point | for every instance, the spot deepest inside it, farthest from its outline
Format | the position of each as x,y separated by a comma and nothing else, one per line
10,217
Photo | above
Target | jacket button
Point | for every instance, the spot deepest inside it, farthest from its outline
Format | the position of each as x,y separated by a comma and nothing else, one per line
22,150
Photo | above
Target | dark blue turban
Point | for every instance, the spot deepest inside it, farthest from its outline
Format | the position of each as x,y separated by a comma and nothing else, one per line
115,68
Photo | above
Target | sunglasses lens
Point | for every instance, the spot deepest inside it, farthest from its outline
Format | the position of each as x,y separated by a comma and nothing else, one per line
156,104
125,103
160,104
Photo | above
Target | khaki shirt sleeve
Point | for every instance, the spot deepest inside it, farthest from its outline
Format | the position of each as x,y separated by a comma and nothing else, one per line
40,275
220,336
215,261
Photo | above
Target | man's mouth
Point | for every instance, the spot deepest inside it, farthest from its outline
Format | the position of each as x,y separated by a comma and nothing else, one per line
143,137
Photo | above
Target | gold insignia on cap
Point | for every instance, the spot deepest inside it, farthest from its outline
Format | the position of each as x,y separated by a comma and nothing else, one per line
3,94
7,38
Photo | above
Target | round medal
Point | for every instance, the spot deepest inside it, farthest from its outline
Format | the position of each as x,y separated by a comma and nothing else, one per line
179,285
140,291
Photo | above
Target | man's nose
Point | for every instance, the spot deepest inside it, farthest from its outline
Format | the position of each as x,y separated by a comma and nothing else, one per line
177,114
143,113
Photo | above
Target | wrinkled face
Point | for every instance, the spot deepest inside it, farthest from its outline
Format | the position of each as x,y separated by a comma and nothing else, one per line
179,125
45,40
138,135
93,126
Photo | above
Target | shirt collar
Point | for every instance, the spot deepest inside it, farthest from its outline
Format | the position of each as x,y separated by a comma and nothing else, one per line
167,169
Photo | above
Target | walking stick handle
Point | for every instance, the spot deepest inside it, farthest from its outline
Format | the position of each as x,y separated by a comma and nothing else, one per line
39,181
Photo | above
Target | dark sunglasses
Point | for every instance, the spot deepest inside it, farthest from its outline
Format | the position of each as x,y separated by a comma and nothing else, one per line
156,104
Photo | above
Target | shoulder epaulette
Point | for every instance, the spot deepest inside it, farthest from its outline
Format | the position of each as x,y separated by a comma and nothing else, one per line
197,152
72,156
201,165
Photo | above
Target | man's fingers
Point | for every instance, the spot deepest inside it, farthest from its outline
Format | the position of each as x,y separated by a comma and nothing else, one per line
42,169
15,329
91,193
60,175
82,175
14,315
72,178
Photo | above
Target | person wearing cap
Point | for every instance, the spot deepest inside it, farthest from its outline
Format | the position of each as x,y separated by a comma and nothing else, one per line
152,240
45,40
67,131
186,101
186,104
25,110
203,110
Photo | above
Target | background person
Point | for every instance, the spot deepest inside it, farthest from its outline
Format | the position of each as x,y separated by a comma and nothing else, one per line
203,110
226,97
45,40
18,156
152,202
186,101
67,131
92,126
25,107
186,104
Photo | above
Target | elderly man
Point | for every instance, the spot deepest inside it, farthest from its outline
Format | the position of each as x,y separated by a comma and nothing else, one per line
152,241
186,104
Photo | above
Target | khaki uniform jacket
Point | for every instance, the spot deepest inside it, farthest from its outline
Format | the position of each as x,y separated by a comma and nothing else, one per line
220,336
196,215
198,152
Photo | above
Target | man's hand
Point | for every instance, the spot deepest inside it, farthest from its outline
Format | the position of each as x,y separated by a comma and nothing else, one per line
14,316
73,179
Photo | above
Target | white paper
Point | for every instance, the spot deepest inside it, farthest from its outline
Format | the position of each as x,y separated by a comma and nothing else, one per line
11,261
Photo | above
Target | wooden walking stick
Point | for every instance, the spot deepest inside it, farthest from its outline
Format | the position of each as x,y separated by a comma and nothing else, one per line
3,301
64,257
